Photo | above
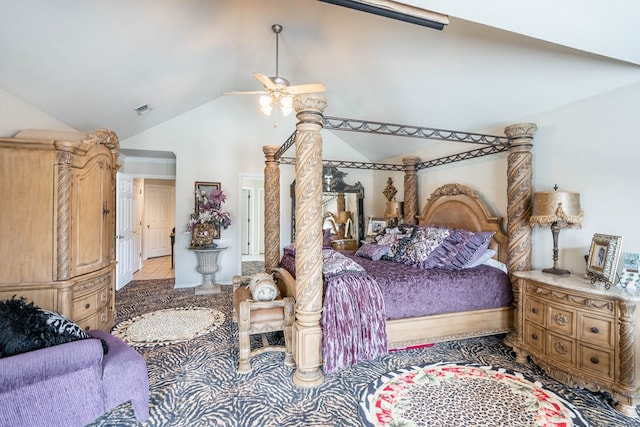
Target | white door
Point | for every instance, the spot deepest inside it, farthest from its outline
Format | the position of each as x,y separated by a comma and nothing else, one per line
259,220
158,222
138,197
246,221
124,234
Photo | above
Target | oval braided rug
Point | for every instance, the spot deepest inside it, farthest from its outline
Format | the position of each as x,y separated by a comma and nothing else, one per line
463,395
169,326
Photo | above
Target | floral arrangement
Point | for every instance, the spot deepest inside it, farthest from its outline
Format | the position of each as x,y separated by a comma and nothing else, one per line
210,210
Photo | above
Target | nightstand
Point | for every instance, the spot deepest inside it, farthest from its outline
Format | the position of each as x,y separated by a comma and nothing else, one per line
345,244
579,333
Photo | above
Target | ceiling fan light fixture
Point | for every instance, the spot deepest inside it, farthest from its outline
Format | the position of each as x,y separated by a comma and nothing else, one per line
266,104
286,105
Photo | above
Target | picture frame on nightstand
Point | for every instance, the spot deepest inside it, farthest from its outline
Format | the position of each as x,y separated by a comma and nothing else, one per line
604,254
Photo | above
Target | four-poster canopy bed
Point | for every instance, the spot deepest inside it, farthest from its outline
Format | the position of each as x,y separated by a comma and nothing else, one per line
454,206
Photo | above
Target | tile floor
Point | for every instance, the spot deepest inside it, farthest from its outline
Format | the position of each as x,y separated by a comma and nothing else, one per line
155,268
160,267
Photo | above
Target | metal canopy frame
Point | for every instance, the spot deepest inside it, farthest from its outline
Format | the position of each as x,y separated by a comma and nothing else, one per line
492,144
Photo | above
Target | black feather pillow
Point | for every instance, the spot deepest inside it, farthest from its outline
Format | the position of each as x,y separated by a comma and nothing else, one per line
26,327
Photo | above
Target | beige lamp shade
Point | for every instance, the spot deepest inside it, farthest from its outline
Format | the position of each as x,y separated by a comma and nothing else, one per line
561,207
393,210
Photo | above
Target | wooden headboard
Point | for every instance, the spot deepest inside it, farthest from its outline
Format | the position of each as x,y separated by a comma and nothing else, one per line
458,206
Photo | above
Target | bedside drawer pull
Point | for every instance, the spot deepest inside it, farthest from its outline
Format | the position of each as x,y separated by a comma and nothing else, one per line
562,319
534,336
560,348
534,310
87,305
595,330
594,360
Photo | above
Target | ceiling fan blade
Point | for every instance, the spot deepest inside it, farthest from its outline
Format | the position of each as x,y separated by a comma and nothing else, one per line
255,92
266,81
306,88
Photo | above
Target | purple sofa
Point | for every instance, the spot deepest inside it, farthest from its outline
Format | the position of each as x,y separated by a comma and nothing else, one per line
72,384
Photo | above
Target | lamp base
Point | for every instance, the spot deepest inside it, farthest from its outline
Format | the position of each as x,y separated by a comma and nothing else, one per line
558,271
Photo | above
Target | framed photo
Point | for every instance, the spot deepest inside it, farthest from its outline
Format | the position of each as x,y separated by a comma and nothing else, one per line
375,226
603,259
203,235
207,187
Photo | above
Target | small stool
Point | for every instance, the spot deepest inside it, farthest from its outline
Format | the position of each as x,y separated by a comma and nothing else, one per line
260,317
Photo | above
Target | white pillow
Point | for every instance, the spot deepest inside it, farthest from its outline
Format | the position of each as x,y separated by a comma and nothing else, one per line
487,255
496,264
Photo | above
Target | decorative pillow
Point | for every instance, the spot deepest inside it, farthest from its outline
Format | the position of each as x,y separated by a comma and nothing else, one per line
25,327
461,246
290,249
373,251
397,238
263,287
64,327
426,248
327,238
487,255
474,248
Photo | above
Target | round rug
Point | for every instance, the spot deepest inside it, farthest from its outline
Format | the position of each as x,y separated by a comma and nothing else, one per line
463,395
168,326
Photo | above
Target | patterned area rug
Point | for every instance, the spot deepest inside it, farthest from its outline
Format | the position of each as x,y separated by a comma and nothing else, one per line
169,326
463,395
196,383
252,267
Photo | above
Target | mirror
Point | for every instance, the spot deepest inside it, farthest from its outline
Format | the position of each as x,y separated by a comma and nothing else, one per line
342,206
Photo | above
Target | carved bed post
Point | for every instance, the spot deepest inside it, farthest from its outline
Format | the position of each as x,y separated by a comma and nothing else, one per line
307,333
519,196
271,207
410,189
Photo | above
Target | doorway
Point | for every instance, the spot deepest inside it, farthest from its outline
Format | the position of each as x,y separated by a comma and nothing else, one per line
252,217
145,204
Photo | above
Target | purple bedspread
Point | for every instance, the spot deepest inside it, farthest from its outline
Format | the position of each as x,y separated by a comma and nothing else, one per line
411,292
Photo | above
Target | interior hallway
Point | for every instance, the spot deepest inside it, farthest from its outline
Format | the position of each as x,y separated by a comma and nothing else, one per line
160,267
155,268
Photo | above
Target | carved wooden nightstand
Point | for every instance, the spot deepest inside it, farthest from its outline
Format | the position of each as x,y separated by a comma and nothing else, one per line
579,333
345,244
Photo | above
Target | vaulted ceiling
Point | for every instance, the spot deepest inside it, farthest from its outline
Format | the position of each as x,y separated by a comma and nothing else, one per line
89,63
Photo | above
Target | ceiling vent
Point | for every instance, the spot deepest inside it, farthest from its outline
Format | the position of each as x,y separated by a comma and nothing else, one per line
143,109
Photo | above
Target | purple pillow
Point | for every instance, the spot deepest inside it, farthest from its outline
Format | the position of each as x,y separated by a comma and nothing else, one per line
463,246
290,249
327,238
373,251
484,240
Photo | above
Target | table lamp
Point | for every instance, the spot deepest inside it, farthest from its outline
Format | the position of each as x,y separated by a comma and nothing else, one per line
344,218
558,209
393,213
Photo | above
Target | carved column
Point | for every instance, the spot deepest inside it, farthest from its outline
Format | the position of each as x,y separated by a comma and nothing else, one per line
519,195
65,159
410,189
307,333
271,207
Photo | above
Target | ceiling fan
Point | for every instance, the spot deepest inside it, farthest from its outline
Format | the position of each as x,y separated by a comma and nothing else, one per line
278,90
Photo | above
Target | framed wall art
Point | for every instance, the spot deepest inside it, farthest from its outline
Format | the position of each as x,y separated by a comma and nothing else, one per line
604,255
207,188
375,225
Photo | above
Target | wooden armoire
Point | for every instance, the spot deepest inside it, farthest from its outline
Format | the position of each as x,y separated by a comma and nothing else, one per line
57,222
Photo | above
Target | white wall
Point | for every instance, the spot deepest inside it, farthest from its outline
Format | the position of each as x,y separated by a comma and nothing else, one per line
16,115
